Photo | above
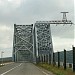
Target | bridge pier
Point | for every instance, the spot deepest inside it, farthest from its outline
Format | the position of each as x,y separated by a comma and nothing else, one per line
49,58
44,58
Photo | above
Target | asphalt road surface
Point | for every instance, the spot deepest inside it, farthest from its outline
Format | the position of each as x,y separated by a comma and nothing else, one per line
22,69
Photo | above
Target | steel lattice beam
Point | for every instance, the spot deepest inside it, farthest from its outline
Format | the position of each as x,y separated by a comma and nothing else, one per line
43,40
23,42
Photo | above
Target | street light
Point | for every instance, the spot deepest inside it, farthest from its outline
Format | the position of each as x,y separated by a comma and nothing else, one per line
2,56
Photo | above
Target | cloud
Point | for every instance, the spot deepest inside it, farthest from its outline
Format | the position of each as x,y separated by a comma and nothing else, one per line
6,37
14,3
30,11
60,44
4,28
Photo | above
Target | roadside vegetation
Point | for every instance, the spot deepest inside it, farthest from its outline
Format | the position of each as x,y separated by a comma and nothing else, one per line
56,70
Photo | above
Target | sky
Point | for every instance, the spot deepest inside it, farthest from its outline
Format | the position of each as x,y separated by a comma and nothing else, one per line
30,11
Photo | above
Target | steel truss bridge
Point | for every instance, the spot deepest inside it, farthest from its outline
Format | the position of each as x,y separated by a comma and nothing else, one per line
34,42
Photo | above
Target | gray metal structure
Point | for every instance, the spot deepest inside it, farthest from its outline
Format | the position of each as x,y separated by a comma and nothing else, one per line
31,42
43,41
35,42
63,21
23,43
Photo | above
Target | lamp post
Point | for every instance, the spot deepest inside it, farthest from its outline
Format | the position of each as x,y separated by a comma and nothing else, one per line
2,56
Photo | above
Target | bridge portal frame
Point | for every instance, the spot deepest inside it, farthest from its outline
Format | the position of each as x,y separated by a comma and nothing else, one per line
23,41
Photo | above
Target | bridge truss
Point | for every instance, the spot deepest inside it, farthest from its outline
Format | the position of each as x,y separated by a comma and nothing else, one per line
43,38
35,41
44,46
23,43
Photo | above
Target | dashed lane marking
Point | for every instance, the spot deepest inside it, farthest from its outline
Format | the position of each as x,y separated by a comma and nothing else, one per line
11,69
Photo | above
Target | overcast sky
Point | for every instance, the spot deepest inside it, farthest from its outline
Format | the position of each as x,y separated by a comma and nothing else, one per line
30,11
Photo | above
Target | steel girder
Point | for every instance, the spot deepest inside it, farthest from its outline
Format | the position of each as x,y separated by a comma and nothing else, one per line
43,39
23,43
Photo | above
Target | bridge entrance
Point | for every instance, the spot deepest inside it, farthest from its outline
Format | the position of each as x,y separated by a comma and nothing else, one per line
24,56
23,43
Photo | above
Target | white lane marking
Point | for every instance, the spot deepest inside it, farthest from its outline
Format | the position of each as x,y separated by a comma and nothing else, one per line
42,71
45,73
11,69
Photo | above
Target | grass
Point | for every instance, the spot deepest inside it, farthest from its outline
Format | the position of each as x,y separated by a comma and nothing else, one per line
56,70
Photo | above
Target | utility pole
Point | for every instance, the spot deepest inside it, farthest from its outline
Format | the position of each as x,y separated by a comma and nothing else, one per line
2,56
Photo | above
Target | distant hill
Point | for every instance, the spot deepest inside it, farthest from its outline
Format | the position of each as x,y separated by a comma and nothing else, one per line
7,59
69,56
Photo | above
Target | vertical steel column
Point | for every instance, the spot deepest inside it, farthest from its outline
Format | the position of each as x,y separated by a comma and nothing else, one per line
58,59
44,58
73,59
64,59
41,58
14,42
32,41
49,58
17,56
34,45
53,59
38,58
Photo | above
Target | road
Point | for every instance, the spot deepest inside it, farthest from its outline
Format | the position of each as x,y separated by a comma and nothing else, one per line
22,69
